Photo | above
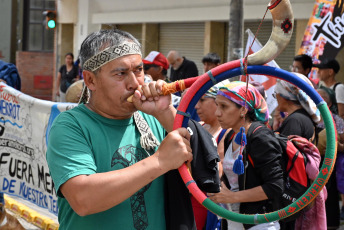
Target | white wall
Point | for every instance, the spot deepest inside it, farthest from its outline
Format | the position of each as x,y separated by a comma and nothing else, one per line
84,25
114,11
88,15
67,11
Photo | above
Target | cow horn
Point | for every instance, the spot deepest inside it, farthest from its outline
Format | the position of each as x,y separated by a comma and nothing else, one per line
282,30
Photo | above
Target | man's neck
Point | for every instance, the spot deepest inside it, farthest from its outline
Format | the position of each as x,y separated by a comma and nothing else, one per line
330,81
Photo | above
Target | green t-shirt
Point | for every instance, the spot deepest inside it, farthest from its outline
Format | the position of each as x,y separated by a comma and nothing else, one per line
82,142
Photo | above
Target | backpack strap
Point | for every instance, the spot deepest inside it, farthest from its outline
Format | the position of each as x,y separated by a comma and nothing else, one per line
335,86
220,136
254,127
228,139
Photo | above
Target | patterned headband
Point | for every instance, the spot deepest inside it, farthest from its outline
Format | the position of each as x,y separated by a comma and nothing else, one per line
111,53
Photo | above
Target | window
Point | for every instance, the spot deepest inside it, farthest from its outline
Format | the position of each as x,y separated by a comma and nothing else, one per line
35,36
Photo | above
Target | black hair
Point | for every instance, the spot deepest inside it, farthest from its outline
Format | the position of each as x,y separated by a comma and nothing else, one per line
212,58
70,54
97,41
250,113
305,60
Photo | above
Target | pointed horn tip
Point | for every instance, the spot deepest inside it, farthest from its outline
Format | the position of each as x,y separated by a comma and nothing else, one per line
283,21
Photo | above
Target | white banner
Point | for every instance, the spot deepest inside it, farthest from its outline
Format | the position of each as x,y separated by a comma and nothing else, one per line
267,81
24,129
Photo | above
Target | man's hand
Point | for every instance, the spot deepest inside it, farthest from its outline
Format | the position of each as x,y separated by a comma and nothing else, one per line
174,150
224,196
148,99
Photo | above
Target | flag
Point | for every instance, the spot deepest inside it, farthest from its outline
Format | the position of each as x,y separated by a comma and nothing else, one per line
267,81
323,37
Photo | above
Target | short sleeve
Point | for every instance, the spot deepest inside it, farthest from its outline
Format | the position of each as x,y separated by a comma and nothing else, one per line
68,154
61,69
340,93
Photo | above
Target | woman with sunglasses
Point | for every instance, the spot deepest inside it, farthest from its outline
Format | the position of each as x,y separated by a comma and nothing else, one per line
257,189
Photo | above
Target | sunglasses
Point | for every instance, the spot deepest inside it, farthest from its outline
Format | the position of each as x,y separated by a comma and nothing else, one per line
274,95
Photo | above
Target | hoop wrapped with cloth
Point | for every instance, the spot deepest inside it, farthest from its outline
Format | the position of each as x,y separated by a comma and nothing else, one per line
282,31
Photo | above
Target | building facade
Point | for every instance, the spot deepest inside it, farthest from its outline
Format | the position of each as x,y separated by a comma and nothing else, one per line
193,27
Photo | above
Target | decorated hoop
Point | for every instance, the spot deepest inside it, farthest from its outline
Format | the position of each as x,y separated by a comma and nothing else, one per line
235,68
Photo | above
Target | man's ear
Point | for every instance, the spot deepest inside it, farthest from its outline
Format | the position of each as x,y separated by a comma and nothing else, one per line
89,79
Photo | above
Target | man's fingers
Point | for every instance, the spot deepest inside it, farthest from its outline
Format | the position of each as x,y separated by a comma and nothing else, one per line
188,146
159,86
146,93
150,91
184,133
153,90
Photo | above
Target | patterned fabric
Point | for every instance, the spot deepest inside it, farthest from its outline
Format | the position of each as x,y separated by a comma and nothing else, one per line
314,217
312,153
236,92
110,54
85,95
147,140
293,93
338,121
212,92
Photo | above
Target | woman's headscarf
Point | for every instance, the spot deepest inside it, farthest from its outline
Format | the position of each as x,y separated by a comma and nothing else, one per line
212,92
236,92
293,93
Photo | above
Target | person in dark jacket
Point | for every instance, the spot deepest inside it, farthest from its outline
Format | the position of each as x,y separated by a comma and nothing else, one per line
302,117
256,190
181,68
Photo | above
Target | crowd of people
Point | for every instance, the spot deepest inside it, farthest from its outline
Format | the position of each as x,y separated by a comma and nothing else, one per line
110,157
